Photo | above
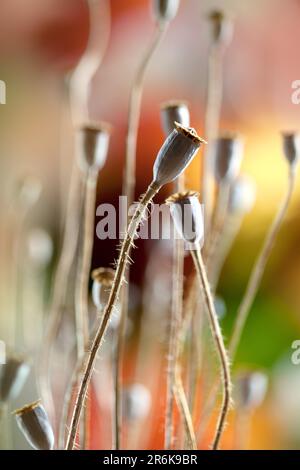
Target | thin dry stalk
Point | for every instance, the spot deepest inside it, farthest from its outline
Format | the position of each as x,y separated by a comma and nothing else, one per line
174,380
259,267
69,244
118,280
218,338
175,320
83,275
184,409
212,118
129,178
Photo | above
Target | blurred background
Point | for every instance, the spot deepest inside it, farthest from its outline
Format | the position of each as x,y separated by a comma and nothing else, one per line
40,45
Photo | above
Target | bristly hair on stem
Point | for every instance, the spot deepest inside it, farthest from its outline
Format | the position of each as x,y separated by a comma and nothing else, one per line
129,178
172,159
191,202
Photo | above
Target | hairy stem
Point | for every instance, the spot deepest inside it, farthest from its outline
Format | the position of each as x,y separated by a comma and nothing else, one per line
219,342
118,280
259,267
129,177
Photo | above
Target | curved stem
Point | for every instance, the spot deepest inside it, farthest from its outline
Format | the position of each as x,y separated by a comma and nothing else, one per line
129,177
118,280
69,244
218,338
259,267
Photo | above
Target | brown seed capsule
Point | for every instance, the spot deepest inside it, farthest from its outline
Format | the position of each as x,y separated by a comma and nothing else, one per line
165,10
174,111
93,141
103,279
34,423
175,154
187,215
227,157
251,388
222,27
13,375
291,147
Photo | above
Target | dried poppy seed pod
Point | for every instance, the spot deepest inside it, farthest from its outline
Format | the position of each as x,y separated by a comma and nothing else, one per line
165,10
242,195
175,154
251,389
221,26
136,402
93,141
13,375
174,111
34,423
103,279
227,157
291,147
187,215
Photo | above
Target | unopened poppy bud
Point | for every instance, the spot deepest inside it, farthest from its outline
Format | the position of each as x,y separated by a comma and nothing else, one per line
227,153
187,215
242,195
136,402
291,147
251,389
35,426
103,279
13,375
93,141
40,247
165,10
174,111
221,26
178,150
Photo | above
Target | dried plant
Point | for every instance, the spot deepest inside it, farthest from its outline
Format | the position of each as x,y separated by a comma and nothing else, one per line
291,144
34,423
163,12
175,154
221,29
171,112
187,215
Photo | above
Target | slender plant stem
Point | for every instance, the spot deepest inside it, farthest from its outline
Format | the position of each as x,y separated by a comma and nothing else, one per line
118,280
83,276
212,118
217,226
259,267
69,244
82,283
174,379
129,178
252,287
184,409
174,326
218,338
